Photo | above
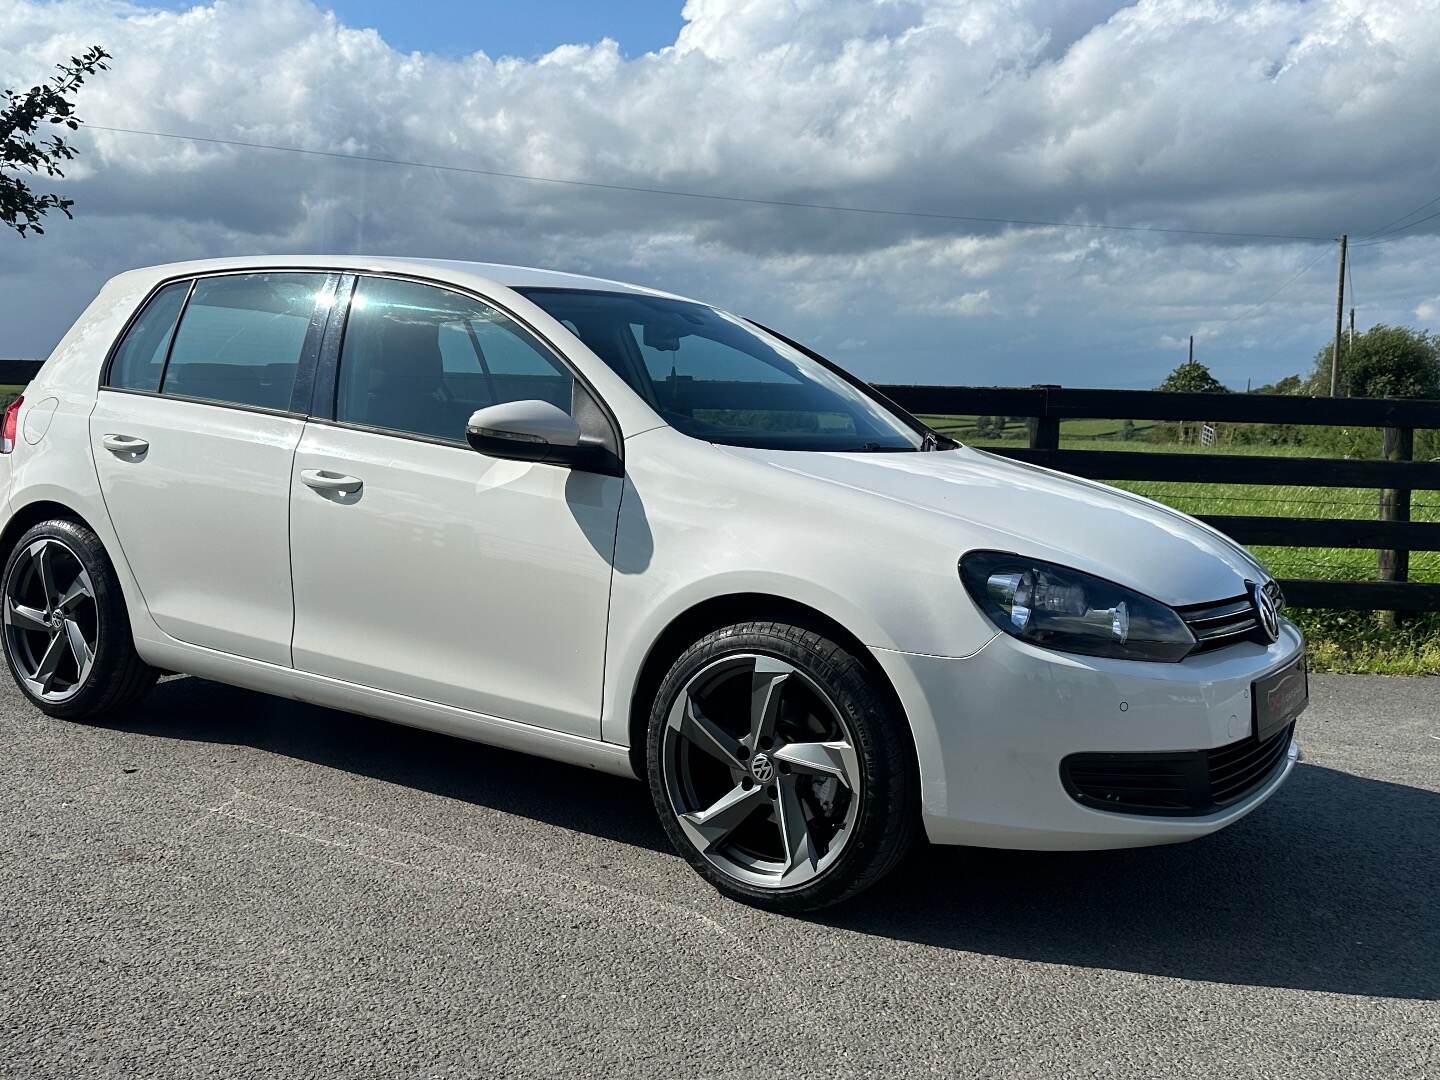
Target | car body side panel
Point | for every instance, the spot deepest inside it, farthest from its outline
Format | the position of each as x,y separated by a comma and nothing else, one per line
752,528
331,693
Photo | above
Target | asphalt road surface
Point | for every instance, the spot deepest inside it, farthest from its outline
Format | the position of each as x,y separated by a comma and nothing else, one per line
237,886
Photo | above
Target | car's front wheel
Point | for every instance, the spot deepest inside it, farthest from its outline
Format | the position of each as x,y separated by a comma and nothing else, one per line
779,768
66,631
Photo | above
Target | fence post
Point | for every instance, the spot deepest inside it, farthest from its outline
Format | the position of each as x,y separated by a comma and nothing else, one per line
1044,429
1397,444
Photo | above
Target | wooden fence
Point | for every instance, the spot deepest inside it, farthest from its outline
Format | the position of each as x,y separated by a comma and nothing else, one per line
1393,534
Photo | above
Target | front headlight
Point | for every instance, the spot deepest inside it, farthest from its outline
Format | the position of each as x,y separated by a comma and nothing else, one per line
1059,608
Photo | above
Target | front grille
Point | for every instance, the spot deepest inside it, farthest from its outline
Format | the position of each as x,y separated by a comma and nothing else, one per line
1184,782
1225,623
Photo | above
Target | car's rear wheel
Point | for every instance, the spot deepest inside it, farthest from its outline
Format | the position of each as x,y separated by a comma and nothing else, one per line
66,631
779,767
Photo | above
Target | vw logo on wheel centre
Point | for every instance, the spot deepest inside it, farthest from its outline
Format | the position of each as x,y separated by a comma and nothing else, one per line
1265,608
762,768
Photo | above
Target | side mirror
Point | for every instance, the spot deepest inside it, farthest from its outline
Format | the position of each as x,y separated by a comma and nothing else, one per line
529,431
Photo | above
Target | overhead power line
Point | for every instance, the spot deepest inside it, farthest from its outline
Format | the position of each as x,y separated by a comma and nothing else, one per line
1395,233
1288,282
1390,224
711,196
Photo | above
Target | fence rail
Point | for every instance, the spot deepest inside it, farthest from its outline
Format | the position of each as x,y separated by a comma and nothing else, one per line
1392,534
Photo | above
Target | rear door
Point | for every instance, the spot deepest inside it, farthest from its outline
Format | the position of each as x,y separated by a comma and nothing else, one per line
194,434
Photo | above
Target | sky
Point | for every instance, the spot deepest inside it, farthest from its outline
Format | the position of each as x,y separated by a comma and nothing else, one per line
455,28
1278,123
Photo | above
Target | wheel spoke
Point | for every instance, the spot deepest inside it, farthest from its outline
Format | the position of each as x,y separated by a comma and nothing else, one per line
46,575
50,663
835,759
707,735
767,685
27,618
780,820
79,647
800,853
712,825
79,589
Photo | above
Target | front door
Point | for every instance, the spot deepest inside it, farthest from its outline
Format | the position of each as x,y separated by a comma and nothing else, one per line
193,437
424,568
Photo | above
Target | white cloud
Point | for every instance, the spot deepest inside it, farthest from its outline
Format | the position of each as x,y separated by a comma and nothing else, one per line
1273,116
965,305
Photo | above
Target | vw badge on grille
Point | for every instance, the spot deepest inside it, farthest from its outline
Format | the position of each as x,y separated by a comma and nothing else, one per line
1265,609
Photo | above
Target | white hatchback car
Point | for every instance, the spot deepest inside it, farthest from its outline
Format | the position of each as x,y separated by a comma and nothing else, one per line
622,529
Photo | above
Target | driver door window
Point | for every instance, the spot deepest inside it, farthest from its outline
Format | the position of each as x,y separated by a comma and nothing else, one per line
419,360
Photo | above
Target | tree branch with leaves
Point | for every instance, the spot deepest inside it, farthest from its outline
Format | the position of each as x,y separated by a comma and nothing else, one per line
22,149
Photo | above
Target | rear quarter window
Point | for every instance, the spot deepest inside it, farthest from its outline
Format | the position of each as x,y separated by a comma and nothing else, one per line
140,359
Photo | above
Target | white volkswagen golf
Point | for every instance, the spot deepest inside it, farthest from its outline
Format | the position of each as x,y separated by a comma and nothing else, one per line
612,526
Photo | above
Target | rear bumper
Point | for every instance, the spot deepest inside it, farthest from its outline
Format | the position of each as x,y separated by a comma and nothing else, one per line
992,729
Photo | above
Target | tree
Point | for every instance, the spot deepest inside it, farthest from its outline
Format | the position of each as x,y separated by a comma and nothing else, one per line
1384,361
21,116
1290,384
1193,377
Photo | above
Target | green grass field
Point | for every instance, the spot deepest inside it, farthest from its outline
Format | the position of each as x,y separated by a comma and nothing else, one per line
1339,640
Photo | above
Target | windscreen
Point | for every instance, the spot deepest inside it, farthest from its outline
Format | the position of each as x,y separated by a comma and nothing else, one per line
715,377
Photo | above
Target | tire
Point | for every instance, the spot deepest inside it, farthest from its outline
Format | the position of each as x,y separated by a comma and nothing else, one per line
779,767
75,607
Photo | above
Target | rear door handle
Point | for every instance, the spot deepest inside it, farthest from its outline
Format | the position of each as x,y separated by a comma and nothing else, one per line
330,483
124,444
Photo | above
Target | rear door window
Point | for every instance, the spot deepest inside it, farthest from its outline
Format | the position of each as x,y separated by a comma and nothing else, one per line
140,359
241,339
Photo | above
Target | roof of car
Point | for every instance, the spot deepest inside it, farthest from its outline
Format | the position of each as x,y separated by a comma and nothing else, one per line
456,270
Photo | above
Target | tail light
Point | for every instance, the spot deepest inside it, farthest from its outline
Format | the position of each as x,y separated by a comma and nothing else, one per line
12,425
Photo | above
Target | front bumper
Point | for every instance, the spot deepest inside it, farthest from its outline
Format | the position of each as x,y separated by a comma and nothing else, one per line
991,730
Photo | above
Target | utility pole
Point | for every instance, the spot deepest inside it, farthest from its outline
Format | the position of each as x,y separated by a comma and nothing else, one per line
1192,348
1339,320
1352,330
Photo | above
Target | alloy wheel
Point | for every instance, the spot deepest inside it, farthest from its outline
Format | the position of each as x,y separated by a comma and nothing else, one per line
761,771
51,623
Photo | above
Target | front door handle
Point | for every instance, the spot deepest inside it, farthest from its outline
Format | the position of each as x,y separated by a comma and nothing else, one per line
124,444
330,483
